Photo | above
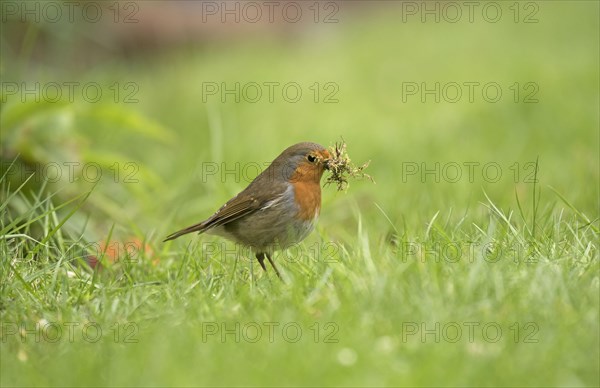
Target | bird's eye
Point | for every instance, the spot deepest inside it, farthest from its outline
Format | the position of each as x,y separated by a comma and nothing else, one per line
311,158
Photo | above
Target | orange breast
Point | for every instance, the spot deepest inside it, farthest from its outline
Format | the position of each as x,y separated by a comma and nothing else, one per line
308,198
307,189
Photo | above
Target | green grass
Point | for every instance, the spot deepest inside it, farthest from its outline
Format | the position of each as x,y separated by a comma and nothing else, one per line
393,271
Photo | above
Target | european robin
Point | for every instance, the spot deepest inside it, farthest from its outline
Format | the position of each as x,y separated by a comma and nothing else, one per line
278,208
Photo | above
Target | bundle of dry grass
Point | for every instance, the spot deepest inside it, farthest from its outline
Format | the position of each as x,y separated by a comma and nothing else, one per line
342,168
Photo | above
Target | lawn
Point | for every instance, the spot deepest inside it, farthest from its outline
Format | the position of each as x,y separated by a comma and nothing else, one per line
473,260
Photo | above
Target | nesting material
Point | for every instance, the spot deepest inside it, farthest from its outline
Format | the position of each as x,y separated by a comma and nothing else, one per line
342,168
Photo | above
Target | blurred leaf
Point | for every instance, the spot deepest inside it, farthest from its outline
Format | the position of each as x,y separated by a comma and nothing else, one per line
131,120
16,113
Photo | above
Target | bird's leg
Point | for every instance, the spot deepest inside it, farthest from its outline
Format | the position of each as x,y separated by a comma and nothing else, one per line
273,265
261,260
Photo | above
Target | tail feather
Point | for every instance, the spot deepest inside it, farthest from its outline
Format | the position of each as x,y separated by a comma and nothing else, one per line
201,227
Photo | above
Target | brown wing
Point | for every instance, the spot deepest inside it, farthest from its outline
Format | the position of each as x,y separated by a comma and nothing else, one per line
265,187
237,207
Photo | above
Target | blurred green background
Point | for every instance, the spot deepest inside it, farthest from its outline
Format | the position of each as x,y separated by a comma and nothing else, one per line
146,148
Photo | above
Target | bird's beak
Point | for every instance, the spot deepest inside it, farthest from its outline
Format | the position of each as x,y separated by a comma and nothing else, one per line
326,159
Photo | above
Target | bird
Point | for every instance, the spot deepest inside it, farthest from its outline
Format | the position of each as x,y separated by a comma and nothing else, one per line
278,209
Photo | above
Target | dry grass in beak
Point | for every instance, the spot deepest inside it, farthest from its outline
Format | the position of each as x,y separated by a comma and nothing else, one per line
342,168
